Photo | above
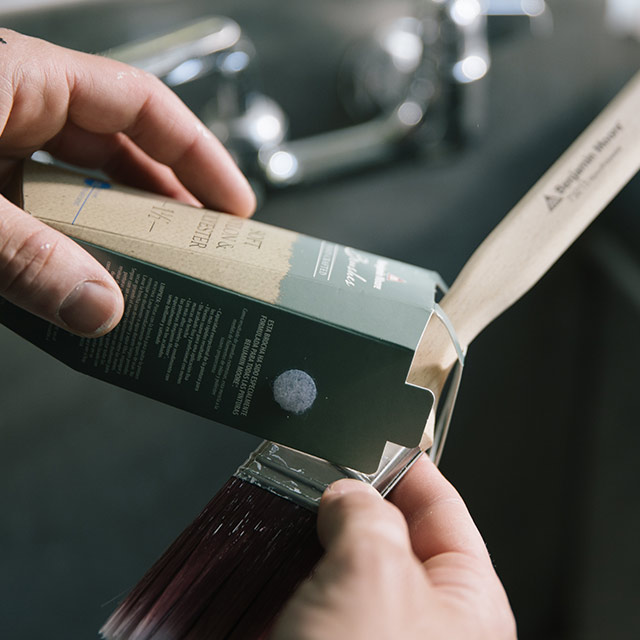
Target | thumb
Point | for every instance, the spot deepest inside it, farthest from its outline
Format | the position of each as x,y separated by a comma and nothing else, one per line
48,274
352,512
361,586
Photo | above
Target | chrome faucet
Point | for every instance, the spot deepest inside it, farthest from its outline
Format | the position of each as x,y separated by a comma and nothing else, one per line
408,86
213,50
405,86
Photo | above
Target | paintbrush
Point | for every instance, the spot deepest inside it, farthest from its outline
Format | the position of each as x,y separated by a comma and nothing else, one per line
232,569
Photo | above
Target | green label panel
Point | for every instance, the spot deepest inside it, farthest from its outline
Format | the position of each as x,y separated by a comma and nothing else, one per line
377,296
216,353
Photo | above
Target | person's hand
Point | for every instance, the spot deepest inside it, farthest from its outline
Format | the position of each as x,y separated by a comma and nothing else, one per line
416,570
97,113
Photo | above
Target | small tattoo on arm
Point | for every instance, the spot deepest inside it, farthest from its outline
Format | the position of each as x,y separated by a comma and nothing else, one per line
3,41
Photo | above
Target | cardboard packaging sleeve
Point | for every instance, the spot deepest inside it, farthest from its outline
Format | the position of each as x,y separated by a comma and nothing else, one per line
218,307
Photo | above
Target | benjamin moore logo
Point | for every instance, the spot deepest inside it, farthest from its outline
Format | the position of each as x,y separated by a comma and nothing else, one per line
552,201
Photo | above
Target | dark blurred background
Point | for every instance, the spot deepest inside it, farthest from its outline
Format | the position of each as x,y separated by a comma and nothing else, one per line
95,482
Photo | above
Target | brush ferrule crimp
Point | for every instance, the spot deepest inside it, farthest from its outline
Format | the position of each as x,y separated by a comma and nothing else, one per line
302,478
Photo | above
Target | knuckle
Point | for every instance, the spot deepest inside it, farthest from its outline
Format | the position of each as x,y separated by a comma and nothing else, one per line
505,623
389,532
154,82
372,530
361,555
379,516
22,263
5,31
374,557
493,614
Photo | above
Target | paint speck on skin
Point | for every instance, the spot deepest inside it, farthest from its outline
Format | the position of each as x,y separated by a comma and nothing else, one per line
203,131
133,73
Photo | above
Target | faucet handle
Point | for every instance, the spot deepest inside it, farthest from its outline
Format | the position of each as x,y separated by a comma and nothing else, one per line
184,54
407,85
538,12
214,50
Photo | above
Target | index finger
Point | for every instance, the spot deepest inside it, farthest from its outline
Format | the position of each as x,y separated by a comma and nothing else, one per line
439,521
107,96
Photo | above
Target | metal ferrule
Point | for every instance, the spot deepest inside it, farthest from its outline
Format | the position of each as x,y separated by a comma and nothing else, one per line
302,478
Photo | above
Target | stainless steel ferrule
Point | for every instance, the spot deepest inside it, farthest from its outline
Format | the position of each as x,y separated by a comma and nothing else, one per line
302,478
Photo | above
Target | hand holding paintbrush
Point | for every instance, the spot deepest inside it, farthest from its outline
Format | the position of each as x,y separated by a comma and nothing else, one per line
229,573
420,570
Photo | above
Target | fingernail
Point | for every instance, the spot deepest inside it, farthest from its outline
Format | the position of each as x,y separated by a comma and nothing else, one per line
348,485
89,309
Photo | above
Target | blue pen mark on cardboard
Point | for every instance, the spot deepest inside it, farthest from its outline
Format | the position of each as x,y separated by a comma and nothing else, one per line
92,184
97,184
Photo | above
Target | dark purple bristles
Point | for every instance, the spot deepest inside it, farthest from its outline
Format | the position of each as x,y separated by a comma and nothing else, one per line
227,575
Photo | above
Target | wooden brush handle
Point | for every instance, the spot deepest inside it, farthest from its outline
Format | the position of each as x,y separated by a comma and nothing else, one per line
536,232
549,218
